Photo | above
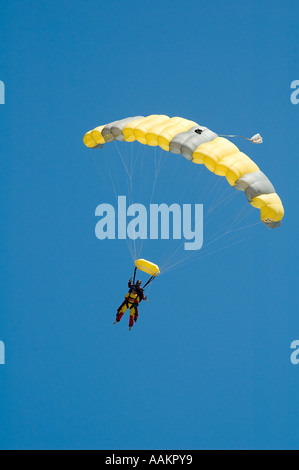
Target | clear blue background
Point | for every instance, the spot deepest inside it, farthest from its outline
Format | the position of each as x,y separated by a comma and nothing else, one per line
208,365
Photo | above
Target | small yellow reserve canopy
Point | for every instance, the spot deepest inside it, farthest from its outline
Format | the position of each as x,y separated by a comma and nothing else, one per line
147,267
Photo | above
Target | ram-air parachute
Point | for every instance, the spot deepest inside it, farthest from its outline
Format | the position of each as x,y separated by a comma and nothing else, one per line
199,145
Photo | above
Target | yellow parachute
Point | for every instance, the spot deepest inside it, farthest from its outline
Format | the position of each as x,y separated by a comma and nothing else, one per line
199,145
147,266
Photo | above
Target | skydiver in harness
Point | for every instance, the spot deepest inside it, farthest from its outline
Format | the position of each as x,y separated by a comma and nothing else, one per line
132,300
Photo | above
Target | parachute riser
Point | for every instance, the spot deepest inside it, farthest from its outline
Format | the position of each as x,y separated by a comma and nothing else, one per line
150,280
134,276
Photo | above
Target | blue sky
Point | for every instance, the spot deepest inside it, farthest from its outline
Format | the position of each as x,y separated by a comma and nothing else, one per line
208,364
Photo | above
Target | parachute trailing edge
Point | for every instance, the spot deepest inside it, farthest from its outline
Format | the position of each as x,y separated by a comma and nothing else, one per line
200,145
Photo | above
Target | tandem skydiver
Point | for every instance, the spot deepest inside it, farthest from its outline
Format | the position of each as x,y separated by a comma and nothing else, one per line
132,300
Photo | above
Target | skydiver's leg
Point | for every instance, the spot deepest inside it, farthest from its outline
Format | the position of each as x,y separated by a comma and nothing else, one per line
121,306
120,311
132,316
136,314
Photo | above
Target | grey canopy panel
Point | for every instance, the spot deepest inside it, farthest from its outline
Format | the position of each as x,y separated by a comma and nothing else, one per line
273,224
186,142
99,146
113,130
254,184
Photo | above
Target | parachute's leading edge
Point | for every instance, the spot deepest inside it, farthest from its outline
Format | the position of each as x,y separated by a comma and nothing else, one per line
199,145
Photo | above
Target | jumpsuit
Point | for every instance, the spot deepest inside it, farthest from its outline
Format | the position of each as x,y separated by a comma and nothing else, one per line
131,301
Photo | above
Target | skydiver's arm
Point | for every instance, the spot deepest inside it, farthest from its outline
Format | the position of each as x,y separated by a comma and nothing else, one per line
130,283
143,296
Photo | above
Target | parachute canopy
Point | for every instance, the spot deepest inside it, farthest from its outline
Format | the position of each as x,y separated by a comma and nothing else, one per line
199,145
147,267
